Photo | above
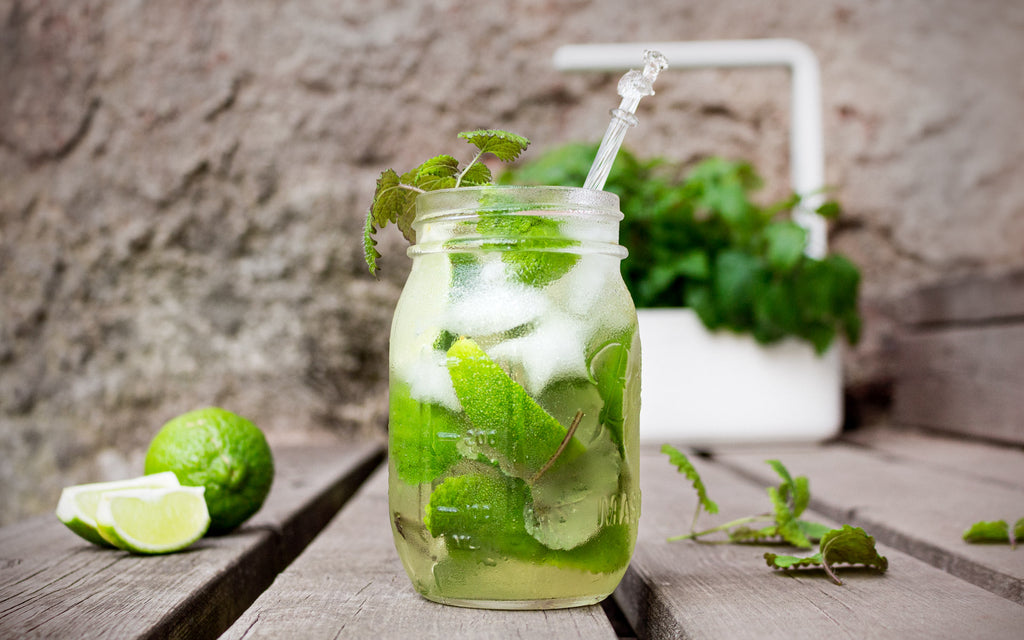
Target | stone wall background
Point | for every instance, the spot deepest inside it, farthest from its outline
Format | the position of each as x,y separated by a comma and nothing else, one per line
182,184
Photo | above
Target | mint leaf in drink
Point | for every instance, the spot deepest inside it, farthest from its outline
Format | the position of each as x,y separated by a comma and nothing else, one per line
609,367
537,259
846,546
394,200
562,513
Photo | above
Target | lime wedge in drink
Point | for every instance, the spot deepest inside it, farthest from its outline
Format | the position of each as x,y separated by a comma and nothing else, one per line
77,505
508,426
423,437
481,512
153,521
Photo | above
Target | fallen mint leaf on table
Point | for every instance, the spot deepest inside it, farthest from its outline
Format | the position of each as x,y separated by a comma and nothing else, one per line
846,546
995,531
789,499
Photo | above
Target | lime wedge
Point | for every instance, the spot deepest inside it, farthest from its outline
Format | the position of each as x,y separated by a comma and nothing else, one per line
153,520
77,505
509,427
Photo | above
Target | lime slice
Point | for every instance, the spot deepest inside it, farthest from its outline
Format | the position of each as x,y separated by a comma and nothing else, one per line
422,437
509,427
77,505
153,520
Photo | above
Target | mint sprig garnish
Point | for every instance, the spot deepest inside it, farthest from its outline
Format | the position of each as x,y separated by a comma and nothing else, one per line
394,201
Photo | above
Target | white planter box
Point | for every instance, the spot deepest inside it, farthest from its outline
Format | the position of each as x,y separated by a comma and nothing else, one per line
713,388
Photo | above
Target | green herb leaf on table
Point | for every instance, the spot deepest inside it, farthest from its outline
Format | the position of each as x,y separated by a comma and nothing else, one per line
995,531
845,546
685,467
394,200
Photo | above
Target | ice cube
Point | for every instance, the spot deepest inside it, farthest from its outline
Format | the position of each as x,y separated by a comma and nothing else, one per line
554,350
429,381
493,304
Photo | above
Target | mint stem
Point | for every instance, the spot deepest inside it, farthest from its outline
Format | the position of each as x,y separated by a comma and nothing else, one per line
462,174
828,569
565,442
693,535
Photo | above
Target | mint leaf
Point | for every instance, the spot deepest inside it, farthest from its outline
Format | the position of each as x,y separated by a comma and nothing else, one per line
608,368
477,174
536,260
394,200
786,522
995,531
370,252
830,210
682,463
846,546
785,244
503,144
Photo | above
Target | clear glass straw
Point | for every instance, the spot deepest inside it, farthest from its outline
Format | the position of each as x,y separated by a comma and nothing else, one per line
633,86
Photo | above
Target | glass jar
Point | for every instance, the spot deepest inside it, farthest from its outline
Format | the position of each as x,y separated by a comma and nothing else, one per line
514,400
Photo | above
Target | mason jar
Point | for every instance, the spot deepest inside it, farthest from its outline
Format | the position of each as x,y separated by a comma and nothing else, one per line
514,400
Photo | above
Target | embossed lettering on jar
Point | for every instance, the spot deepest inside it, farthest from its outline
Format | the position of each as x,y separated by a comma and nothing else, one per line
515,373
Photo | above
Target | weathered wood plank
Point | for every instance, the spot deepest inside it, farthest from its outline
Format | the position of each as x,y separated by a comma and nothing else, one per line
976,299
965,380
53,584
955,454
691,590
917,507
350,583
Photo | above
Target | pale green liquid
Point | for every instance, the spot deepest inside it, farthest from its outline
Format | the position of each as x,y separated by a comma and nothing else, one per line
576,551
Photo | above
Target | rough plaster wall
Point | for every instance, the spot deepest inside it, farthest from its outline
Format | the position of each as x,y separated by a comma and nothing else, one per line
182,183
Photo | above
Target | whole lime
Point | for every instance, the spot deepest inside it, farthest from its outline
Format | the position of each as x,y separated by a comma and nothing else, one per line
221,451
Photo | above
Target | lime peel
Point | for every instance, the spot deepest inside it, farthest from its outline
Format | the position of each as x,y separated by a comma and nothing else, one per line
77,505
221,451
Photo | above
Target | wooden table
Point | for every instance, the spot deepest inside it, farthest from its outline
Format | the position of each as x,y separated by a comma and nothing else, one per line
318,560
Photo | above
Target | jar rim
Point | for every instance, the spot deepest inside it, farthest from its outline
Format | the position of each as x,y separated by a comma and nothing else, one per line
462,200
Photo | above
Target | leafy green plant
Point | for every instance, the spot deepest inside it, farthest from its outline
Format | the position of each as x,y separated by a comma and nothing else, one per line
700,241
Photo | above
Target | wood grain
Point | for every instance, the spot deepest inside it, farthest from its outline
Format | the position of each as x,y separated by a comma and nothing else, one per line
692,590
975,299
951,454
350,583
965,380
53,584
918,507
